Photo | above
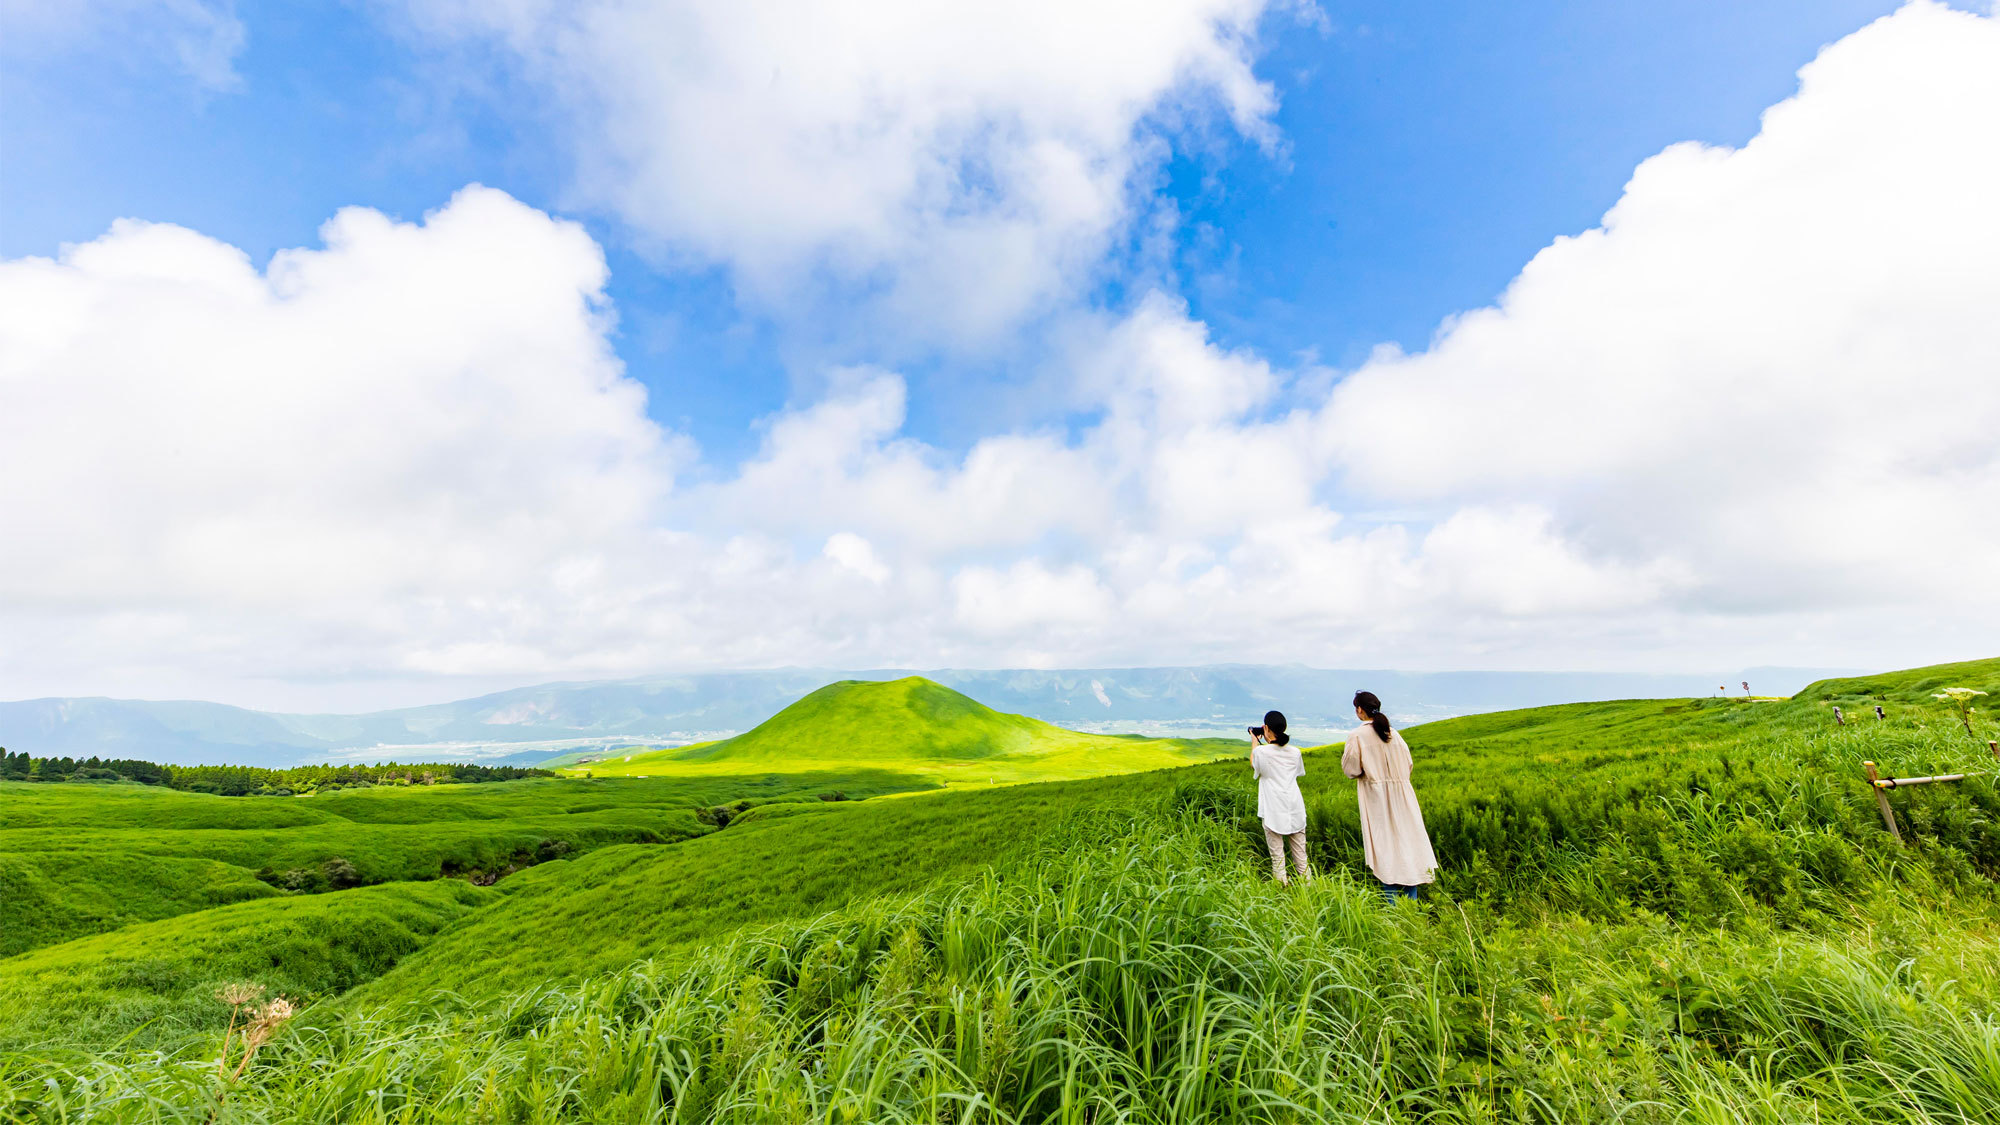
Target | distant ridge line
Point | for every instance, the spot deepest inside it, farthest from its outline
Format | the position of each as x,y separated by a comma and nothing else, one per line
529,724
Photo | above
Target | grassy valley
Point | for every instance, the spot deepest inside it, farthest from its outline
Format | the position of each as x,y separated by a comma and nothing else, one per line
1654,910
83,858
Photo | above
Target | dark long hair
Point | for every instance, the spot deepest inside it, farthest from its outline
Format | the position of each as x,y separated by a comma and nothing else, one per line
1274,728
1372,707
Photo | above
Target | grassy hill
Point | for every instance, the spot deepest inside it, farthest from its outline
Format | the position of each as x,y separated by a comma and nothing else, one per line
1650,911
156,982
894,720
918,727
1914,687
51,897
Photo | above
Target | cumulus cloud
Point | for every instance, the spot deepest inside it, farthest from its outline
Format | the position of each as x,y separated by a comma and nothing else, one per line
960,165
857,555
418,426
1773,371
1747,419
201,38
1755,406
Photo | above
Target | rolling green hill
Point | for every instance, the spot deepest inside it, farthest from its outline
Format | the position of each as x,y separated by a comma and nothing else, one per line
918,727
778,862
895,720
83,858
1915,687
1649,911
50,897
156,982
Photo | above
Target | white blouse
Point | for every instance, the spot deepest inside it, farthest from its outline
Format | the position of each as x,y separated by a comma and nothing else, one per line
1280,805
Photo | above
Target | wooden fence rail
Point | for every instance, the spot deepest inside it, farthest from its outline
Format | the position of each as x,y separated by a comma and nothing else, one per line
1881,784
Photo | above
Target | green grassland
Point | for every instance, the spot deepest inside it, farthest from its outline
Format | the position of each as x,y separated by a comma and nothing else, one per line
50,897
779,862
1704,809
1681,910
87,858
154,981
1150,980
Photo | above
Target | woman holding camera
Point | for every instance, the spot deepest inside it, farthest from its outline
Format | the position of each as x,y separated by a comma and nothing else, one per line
1393,837
1278,766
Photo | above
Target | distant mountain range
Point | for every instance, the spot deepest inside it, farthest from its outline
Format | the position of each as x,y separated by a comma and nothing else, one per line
531,724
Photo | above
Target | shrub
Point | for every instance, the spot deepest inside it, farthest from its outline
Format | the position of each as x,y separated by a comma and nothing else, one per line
340,874
303,880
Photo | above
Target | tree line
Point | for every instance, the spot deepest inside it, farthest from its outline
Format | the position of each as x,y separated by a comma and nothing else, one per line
242,781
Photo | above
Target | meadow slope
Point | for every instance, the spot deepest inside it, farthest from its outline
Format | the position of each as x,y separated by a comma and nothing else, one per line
85,858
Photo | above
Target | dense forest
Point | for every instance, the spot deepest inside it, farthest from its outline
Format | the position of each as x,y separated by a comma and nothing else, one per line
248,781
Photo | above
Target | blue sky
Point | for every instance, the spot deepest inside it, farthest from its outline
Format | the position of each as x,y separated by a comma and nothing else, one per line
1428,151
1046,333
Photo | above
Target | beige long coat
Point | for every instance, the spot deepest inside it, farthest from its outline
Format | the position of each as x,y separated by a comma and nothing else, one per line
1392,826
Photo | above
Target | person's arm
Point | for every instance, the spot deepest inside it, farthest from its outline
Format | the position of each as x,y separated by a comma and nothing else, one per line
1350,759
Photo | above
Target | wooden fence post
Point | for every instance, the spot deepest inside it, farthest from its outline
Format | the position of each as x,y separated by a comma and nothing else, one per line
1882,801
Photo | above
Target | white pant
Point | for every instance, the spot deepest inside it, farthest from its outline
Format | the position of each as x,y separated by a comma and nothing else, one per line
1276,842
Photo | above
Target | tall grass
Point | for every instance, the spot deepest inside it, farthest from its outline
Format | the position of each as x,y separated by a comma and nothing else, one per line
1708,811
1153,981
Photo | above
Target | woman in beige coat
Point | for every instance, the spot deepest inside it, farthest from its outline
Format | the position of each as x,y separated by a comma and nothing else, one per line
1393,838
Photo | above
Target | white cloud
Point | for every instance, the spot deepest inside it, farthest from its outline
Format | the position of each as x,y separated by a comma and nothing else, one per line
963,164
201,38
1513,563
855,553
1173,448
1750,419
1030,596
1752,412
412,429
1773,370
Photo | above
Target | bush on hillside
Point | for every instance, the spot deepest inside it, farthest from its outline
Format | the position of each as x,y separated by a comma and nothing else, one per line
340,874
302,880
92,773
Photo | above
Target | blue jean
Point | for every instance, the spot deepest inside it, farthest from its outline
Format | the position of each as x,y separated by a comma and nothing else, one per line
1394,891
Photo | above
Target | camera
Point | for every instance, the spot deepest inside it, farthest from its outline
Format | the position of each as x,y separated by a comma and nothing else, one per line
1257,732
